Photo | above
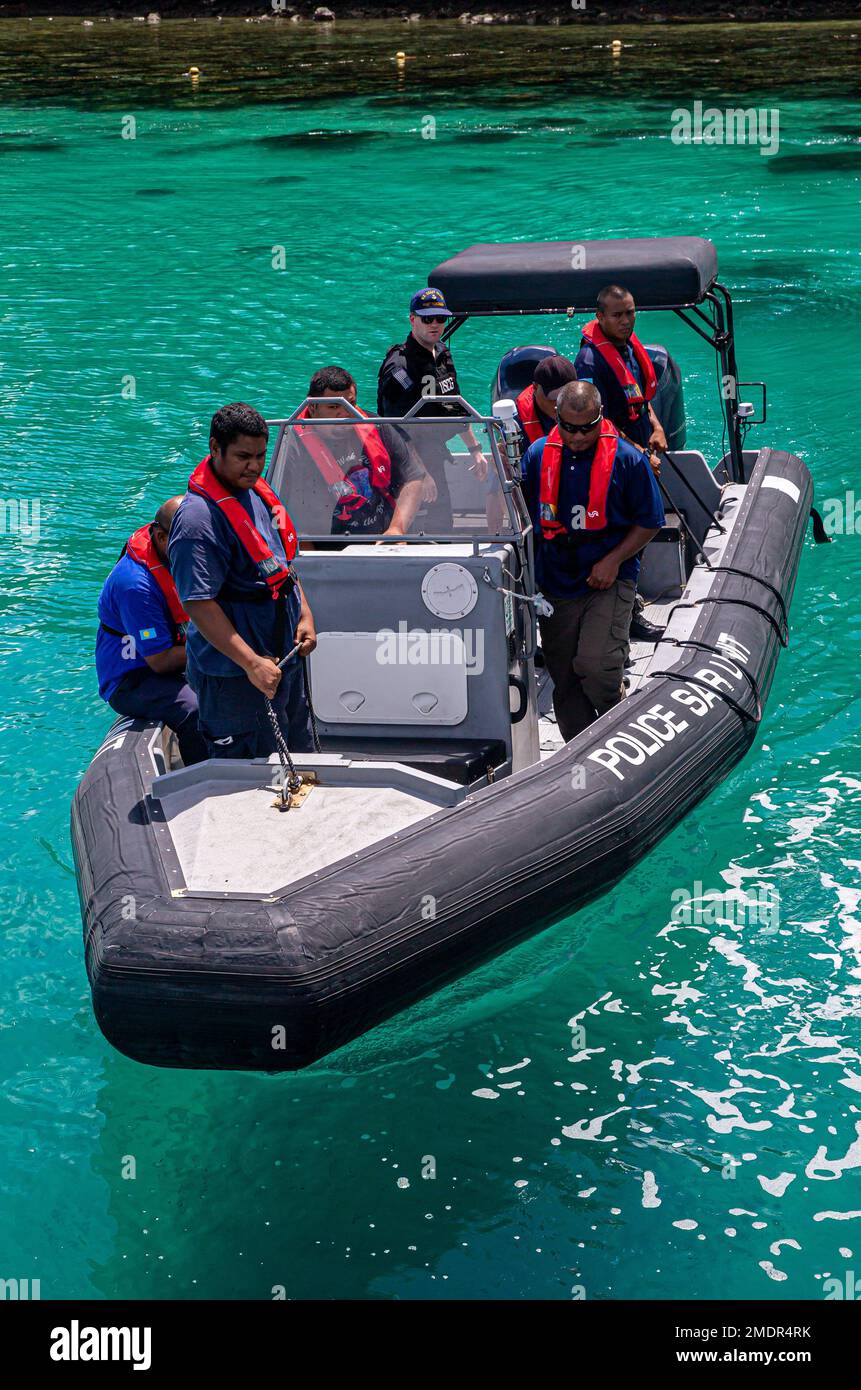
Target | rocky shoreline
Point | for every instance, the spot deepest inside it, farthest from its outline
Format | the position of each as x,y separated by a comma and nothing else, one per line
415,11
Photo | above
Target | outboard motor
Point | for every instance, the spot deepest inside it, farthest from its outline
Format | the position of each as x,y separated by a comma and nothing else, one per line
517,368
669,402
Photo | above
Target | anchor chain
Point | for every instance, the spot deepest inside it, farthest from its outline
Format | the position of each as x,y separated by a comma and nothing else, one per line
290,778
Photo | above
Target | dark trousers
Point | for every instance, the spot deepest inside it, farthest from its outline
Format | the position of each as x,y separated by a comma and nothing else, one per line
585,646
233,717
143,694
437,519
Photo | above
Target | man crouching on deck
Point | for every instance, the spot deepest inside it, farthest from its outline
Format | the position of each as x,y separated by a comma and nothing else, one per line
595,504
230,549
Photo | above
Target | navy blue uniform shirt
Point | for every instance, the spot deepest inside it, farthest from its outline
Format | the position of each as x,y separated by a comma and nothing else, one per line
590,366
132,603
633,499
205,555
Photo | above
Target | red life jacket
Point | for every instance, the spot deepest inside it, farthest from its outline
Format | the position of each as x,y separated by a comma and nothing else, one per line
204,481
142,550
612,356
528,413
379,464
600,474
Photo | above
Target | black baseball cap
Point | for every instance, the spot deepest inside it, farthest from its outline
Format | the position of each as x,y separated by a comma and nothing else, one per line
553,372
429,303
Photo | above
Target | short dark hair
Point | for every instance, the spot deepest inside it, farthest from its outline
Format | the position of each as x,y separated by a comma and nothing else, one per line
232,420
330,379
579,395
610,292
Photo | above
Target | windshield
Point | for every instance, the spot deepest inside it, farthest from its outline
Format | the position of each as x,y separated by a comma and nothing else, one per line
350,477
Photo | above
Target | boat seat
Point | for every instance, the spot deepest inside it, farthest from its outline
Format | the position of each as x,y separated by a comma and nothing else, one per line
693,467
463,761
662,566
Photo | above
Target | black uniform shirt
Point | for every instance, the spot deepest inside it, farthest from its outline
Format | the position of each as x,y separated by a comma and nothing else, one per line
406,375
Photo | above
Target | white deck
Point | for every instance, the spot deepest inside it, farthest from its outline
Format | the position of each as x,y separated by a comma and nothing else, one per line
229,837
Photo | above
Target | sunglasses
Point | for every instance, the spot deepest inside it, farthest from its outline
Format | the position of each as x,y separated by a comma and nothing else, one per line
432,318
578,429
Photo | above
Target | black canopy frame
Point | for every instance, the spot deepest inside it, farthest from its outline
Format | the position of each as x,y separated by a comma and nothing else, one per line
676,274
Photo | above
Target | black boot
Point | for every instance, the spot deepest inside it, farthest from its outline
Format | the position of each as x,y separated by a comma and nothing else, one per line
644,631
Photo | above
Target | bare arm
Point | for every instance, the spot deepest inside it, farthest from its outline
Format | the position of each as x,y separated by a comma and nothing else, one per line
211,620
479,462
166,662
657,438
306,633
406,506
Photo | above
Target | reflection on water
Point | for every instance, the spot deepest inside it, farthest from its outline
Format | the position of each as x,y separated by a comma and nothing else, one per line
125,65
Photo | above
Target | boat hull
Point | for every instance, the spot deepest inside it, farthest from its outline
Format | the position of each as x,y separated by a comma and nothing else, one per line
276,984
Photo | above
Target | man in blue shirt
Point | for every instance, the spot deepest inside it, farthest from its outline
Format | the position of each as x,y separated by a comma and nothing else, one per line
140,647
536,416
230,550
536,406
594,508
612,357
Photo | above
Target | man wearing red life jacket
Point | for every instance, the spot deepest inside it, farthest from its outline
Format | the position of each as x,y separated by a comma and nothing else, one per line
595,504
536,406
343,478
140,647
230,550
612,357
536,416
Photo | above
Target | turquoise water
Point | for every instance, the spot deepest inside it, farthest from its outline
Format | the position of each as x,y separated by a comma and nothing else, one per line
138,294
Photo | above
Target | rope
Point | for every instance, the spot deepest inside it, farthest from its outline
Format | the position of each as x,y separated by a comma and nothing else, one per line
702,687
716,651
820,535
315,733
291,781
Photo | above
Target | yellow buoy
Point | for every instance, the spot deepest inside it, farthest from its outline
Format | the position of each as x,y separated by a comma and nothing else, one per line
194,72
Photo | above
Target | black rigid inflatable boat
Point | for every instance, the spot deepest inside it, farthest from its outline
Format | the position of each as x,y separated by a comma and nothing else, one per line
444,818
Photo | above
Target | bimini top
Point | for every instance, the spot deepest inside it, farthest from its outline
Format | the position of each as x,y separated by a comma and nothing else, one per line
543,276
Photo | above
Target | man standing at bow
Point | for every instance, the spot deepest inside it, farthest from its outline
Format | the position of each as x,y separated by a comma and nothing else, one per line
230,550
